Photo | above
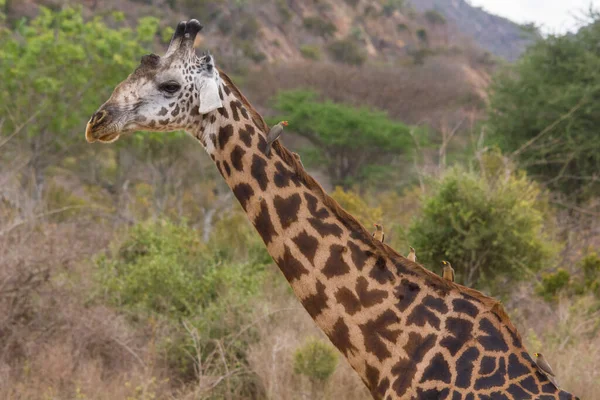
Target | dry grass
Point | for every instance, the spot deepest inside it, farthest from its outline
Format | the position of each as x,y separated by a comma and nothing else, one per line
285,327
567,332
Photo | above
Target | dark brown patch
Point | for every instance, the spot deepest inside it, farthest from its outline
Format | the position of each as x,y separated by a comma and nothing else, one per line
283,176
164,121
416,348
225,133
375,329
223,112
287,209
340,337
263,223
175,112
377,389
220,168
346,298
437,370
236,158
436,304
292,268
312,203
421,315
406,292
325,228
464,306
307,245
497,379
221,94
258,172
163,111
195,111
369,298
380,273
246,135
316,303
461,331
464,366
493,340
235,104
359,257
515,367
335,264
227,168
243,192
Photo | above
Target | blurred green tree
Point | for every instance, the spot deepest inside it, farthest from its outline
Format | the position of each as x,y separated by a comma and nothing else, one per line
350,141
317,361
53,70
543,110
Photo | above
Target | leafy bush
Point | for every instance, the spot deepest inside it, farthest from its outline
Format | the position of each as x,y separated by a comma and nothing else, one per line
164,271
315,360
401,27
347,51
553,283
434,17
356,206
310,52
591,273
389,6
488,224
319,26
422,35
249,27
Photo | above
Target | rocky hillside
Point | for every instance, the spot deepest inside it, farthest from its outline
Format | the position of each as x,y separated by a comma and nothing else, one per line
497,35
348,31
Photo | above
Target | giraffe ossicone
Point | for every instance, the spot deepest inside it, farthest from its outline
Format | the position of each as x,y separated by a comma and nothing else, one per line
406,331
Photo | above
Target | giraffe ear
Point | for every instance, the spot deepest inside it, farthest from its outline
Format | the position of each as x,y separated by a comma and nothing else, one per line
209,93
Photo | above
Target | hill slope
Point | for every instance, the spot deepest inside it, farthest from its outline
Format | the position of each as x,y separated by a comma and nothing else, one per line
498,35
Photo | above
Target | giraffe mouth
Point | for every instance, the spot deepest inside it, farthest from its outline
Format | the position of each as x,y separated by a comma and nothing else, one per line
106,134
109,137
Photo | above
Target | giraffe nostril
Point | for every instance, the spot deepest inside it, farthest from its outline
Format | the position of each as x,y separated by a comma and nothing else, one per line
98,117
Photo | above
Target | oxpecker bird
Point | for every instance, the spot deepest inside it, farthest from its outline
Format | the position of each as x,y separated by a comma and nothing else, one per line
412,256
545,368
378,234
448,271
274,134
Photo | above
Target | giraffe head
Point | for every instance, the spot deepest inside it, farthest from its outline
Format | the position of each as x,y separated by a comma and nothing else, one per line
166,93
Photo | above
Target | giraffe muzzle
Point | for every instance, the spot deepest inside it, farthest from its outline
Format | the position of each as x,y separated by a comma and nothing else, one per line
99,128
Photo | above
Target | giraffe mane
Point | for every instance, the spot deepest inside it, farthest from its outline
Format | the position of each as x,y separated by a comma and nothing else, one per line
431,278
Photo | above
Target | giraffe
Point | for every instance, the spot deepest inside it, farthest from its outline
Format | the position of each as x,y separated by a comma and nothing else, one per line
408,333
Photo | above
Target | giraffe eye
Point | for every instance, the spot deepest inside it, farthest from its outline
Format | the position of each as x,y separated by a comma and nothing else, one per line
169,87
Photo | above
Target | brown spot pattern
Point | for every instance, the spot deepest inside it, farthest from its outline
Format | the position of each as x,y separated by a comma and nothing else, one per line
287,209
335,264
263,223
316,303
292,268
307,245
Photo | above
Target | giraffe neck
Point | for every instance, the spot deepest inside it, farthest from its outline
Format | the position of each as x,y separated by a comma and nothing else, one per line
406,332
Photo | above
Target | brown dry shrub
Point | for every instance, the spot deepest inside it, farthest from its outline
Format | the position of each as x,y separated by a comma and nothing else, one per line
283,326
53,343
567,333
428,93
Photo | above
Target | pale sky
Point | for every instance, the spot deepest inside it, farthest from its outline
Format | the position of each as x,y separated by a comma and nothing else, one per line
554,16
